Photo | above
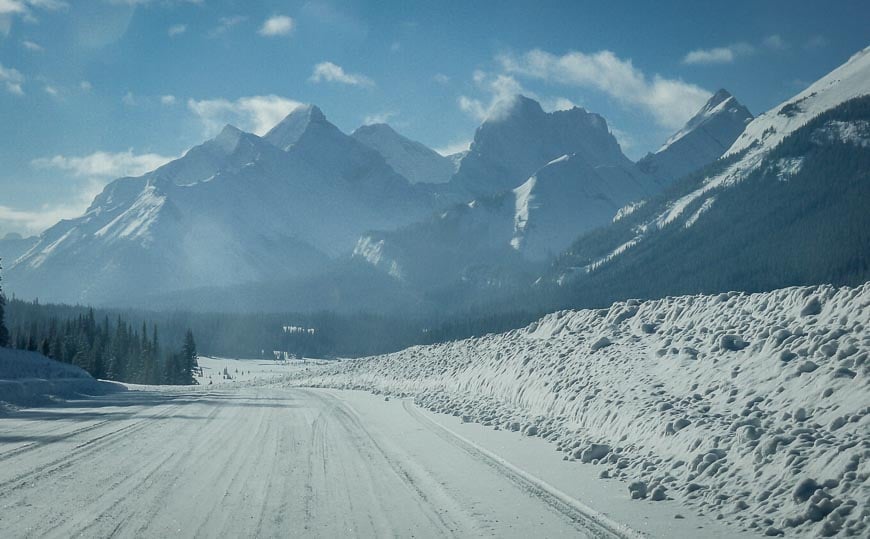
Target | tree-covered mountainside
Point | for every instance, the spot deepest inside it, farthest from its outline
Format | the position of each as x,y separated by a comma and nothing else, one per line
801,217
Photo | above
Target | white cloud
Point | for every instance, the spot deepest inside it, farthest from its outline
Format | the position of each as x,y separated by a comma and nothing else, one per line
90,174
557,103
51,90
379,117
129,99
329,72
176,30
441,78
503,90
775,42
12,79
104,165
31,222
22,7
167,100
86,86
454,147
718,55
12,9
32,46
256,114
669,101
277,25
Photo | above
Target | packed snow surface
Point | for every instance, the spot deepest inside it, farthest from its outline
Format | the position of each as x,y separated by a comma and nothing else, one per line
256,461
749,406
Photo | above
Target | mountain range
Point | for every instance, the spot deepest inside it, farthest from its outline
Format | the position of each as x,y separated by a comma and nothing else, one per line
543,205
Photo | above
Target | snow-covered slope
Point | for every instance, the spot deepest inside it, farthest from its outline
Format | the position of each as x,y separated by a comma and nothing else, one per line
411,159
513,145
236,209
704,138
783,206
753,407
28,378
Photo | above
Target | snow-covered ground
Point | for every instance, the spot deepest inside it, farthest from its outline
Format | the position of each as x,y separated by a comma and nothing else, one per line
244,370
752,409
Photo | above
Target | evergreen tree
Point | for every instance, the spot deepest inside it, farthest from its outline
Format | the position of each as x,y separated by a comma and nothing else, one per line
188,358
4,333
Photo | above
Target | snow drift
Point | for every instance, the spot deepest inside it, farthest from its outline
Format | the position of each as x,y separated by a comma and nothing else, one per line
29,379
749,406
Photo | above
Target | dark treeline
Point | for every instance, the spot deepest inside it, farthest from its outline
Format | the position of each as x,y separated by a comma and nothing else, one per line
246,335
107,349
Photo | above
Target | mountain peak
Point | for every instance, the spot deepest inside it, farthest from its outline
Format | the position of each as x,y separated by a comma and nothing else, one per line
374,128
288,131
704,138
720,105
721,95
413,160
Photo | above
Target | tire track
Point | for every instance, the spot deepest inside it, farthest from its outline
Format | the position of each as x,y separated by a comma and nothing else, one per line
81,451
442,520
584,518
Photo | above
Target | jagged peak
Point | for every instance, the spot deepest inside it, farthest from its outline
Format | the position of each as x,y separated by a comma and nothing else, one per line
721,102
288,131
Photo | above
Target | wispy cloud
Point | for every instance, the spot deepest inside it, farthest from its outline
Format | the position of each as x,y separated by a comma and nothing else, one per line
503,90
22,7
669,101
441,78
88,175
379,117
277,25
176,30
453,147
816,42
775,42
167,100
225,24
35,221
329,72
32,45
12,79
256,114
718,55
104,165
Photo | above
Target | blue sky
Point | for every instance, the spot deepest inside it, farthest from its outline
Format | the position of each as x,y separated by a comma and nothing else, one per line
94,89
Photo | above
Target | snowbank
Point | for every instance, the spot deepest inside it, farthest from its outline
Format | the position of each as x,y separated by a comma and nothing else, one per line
29,379
752,407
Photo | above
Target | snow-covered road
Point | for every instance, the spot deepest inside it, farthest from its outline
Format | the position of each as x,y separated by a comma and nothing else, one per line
265,462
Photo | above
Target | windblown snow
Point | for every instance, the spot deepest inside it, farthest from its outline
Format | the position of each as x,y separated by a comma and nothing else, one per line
749,406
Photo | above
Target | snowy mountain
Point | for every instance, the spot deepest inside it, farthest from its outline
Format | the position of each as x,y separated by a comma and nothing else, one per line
236,209
411,159
704,138
527,224
512,146
786,205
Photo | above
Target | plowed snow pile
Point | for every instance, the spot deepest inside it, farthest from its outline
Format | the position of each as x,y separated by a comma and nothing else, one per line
29,379
753,407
